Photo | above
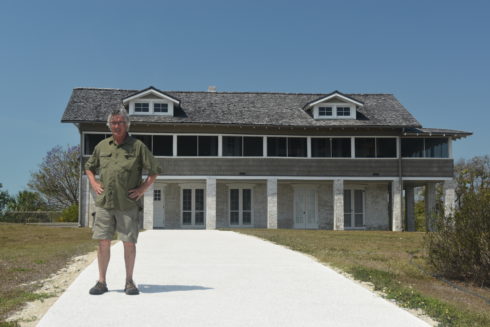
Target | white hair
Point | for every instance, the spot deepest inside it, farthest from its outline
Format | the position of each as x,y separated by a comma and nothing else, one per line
119,112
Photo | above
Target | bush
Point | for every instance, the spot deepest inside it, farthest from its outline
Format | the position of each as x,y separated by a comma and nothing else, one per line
460,246
70,214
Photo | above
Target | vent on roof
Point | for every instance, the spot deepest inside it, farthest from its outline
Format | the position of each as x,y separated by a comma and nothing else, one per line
211,88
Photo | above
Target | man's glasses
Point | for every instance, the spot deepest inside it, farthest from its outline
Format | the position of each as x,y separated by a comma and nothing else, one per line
115,123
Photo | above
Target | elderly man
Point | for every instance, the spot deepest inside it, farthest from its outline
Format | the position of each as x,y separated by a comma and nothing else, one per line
120,160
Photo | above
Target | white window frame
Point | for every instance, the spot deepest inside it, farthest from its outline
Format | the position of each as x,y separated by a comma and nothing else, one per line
352,189
240,188
151,104
334,106
193,187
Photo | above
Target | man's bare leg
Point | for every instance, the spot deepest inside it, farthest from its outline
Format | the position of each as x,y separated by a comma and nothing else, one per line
129,259
103,257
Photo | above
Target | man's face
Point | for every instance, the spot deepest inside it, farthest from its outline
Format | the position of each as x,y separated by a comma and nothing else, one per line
118,126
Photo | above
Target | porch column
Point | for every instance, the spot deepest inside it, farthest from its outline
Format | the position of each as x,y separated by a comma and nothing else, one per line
148,208
449,197
211,203
272,203
410,207
396,210
338,204
430,205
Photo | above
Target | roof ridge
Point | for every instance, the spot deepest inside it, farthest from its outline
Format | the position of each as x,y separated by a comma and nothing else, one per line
227,92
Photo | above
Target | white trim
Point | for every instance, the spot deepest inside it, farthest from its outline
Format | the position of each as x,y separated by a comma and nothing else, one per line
336,95
152,91
334,106
151,107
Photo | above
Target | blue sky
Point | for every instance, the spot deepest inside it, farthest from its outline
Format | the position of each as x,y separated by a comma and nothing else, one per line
432,55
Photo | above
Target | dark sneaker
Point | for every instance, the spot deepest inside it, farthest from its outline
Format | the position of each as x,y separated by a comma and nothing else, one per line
131,289
98,289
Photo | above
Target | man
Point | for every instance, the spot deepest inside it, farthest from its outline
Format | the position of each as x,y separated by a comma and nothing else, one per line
120,160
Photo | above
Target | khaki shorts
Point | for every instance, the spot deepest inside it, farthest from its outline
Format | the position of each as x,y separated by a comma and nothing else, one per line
124,222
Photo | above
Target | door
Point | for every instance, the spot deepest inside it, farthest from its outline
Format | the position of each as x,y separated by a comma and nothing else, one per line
193,210
158,208
240,207
305,213
353,209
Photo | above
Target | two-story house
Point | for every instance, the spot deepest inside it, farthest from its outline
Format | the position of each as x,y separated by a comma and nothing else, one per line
273,160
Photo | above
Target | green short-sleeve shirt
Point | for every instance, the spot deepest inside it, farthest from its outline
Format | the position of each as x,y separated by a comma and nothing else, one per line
120,167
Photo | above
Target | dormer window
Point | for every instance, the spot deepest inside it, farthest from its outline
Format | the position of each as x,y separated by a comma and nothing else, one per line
141,107
324,111
160,107
343,111
151,102
334,111
334,106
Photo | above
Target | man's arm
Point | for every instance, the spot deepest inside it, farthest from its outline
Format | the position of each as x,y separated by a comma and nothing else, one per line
96,186
138,192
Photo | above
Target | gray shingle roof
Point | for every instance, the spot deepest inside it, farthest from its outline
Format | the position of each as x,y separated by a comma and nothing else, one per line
435,132
271,109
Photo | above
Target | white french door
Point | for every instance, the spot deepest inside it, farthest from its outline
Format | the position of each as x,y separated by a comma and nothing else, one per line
240,207
193,207
353,208
305,208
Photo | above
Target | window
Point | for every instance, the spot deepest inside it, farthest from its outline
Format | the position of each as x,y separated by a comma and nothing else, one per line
163,145
240,207
341,148
371,147
365,148
193,207
157,195
334,111
246,146
324,111
197,145
353,208
343,111
321,148
90,141
425,147
160,107
436,148
146,139
141,107
286,146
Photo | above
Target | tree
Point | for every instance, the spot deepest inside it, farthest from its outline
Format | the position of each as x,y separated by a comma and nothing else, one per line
472,176
58,177
27,201
4,199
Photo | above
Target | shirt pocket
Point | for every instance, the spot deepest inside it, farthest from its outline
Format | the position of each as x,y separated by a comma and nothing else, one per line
129,162
105,159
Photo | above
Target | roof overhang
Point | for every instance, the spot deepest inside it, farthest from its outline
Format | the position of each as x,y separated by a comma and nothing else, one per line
153,91
335,94
455,134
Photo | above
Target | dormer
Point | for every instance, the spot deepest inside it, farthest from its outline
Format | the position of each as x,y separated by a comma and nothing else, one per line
334,106
151,101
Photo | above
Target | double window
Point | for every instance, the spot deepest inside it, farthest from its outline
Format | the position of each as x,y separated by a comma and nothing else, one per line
324,147
425,147
148,107
334,110
192,145
371,147
243,146
287,147
193,209
240,207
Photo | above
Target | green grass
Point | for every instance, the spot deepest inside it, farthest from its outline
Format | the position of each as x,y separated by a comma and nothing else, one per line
31,253
388,260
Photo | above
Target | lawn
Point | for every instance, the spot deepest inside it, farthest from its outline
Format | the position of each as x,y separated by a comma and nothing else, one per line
394,262
31,253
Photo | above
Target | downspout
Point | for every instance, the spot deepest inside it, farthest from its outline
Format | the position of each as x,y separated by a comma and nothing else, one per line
80,178
400,177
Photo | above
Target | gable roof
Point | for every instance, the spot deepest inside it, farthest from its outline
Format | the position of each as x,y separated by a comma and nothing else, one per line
150,90
240,108
334,94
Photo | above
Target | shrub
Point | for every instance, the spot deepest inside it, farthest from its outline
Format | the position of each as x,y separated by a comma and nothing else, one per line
460,246
70,214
